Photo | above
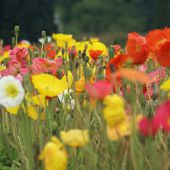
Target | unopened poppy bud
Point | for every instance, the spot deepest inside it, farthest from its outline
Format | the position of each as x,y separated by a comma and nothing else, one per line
43,34
13,41
16,29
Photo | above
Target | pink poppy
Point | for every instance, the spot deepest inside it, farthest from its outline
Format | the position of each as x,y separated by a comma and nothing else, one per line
162,117
146,127
99,89
44,65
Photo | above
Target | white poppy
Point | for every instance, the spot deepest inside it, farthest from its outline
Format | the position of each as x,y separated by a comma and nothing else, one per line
67,99
11,91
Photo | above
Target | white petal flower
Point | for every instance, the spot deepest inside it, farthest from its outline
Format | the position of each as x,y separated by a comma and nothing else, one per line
67,99
11,91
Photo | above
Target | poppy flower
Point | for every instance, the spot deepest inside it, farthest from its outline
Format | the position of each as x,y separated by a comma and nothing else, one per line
20,54
132,75
162,117
31,103
115,63
11,91
94,54
99,89
44,65
63,39
120,130
99,46
50,50
54,155
153,38
51,86
165,85
136,48
75,137
114,111
163,53
80,85
145,127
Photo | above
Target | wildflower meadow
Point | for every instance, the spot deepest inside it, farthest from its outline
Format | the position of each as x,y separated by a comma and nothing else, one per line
67,104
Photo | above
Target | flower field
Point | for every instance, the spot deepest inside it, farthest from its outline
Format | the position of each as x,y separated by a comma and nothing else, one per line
82,105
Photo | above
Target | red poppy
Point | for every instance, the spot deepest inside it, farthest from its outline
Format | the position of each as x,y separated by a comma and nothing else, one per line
153,38
51,51
19,54
115,63
136,48
94,54
163,53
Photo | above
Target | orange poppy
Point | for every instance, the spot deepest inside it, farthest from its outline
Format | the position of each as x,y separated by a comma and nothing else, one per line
94,54
115,63
153,38
136,48
163,54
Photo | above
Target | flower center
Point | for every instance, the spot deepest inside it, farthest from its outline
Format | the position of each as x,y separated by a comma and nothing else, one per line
11,91
138,48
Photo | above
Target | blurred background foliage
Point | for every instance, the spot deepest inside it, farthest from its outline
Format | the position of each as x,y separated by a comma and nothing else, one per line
110,20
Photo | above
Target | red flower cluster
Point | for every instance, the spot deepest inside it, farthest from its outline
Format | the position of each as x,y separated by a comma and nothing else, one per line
155,44
158,42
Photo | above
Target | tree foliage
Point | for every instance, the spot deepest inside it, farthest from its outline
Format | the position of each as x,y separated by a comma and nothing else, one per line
114,16
31,16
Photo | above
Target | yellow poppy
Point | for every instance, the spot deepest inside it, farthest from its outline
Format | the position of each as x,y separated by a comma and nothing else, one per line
32,102
54,155
51,86
80,85
114,111
165,85
63,39
75,137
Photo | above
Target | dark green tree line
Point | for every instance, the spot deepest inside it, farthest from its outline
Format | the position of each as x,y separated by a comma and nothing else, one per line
32,16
